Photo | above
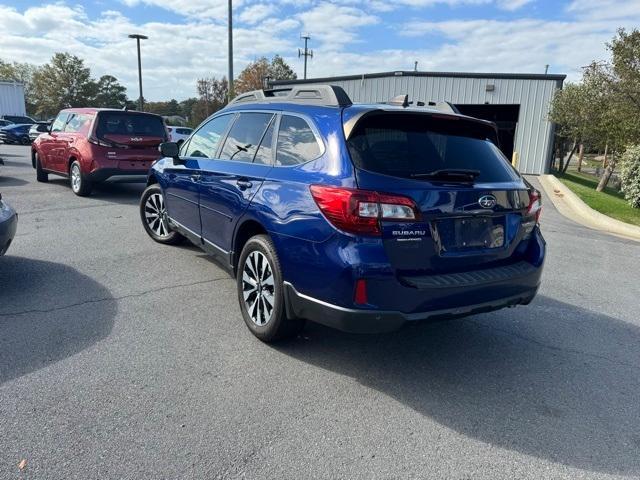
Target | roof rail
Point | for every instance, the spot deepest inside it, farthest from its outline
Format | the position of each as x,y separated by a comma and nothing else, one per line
403,101
327,95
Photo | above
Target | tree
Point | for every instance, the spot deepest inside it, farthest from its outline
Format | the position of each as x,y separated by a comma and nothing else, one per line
280,70
213,94
255,75
110,93
630,175
64,82
602,110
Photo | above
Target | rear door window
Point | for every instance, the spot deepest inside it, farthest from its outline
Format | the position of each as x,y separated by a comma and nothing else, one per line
406,145
77,122
296,142
205,142
245,136
60,121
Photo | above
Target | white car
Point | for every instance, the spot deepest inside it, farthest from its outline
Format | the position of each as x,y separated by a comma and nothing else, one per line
179,134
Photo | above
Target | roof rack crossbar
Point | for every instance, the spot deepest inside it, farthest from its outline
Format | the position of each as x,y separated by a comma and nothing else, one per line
327,95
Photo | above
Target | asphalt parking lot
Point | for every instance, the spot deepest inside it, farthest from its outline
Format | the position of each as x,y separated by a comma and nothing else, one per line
124,359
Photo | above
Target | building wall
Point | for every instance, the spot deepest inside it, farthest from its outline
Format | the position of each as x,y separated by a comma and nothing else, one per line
12,99
534,135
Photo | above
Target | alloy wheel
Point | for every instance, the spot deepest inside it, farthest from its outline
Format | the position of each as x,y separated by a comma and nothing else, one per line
76,181
155,215
258,288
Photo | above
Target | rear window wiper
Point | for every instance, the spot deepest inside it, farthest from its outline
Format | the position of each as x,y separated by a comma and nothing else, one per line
452,174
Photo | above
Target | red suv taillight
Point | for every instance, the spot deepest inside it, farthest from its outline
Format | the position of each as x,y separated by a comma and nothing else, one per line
360,211
97,141
535,205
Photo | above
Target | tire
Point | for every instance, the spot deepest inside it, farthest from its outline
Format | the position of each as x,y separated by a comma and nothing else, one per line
25,141
80,184
260,284
41,175
153,216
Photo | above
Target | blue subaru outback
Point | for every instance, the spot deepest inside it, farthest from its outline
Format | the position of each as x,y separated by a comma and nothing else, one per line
359,217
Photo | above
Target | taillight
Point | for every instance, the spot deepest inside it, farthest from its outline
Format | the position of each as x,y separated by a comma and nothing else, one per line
360,211
97,141
535,205
360,292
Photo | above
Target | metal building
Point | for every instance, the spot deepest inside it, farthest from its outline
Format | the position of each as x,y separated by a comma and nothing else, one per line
517,103
12,98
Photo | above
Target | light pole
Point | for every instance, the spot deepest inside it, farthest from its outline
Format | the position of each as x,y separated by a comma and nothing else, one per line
230,33
306,53
139,37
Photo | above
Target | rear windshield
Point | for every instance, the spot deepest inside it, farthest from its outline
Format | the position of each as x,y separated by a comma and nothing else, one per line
405,145
124,123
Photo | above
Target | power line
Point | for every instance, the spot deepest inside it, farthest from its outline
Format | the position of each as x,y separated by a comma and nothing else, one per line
306,53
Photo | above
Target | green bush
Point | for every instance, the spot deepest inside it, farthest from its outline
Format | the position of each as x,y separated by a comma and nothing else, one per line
630,175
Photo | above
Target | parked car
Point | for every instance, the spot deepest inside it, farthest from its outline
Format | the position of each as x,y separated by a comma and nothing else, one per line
17,134
4,123
8,225
359,217
179,134
37,129
90,145
18,119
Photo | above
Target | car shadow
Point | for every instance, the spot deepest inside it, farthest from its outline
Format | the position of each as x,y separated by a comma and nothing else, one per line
124,192
552,380
11,181
11,163
48,312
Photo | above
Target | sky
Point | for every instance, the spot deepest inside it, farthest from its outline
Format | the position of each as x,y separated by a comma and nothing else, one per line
188,38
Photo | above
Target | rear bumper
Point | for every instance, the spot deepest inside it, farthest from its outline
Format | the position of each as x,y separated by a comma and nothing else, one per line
102,174
376,321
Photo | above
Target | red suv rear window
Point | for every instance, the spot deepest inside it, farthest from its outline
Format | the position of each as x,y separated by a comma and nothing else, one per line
126,123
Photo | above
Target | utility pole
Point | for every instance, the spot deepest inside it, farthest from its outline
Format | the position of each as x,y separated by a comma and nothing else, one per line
306,53
230,73
415,66
139,37
546,69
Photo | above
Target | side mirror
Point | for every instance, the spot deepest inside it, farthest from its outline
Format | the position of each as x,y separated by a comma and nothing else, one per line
170,149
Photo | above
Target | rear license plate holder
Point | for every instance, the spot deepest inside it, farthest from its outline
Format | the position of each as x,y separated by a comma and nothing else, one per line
471,233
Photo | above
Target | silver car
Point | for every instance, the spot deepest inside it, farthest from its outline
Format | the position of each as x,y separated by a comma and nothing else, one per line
8,225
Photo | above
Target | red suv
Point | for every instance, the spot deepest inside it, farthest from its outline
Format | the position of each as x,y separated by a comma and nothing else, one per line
89,145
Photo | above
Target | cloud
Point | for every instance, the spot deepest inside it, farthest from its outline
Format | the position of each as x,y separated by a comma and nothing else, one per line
170,68
341,31
513,5
605,9
253,14
335,25
210,9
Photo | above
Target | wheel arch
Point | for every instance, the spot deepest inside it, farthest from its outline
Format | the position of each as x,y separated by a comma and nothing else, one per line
152,179
244,231
72,158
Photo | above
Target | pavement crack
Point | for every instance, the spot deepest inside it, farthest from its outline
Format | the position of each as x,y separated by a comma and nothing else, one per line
551,347
108,299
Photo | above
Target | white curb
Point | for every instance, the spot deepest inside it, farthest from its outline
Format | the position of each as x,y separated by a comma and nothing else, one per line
571,206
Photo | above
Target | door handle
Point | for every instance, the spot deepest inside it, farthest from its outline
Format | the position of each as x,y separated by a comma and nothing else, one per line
196,177
243,183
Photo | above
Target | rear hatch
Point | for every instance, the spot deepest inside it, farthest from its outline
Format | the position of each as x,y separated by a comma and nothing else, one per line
472,209
130,136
